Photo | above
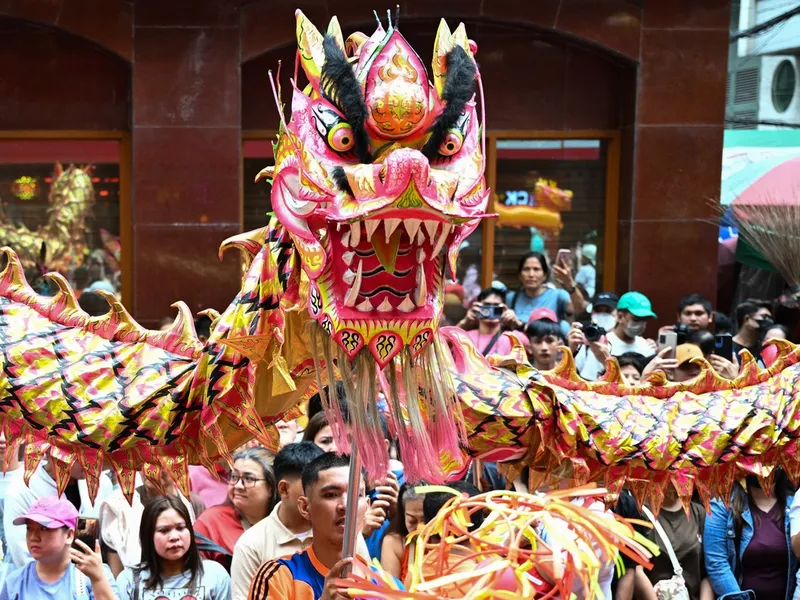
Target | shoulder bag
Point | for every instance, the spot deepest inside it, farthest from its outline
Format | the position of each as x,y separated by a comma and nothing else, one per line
673,588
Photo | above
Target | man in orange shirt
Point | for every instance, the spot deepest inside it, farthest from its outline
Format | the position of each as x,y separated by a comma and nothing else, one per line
310,574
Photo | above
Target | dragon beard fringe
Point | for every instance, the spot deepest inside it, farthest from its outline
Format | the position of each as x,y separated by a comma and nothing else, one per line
424,415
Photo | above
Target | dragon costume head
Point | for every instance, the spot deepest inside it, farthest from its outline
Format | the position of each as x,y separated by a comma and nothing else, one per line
378,172
379,178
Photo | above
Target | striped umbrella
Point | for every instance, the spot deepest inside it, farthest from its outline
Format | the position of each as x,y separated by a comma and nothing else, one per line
757,173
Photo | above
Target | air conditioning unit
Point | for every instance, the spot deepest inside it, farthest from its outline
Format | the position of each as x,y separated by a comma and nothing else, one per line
742,97
779,89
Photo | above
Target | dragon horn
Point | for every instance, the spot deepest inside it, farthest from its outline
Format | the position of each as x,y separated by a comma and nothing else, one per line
309,48
335,31
181,337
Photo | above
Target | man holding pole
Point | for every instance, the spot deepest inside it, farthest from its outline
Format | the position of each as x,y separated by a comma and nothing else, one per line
311,573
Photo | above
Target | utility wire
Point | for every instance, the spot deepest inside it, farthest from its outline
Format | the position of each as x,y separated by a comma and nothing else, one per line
737,121
755,30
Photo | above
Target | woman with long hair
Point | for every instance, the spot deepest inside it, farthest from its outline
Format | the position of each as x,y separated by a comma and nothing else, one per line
747,546
409,516
171,565
251,494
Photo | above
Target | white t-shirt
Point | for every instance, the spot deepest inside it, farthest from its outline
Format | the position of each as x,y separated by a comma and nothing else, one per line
591,369
215,584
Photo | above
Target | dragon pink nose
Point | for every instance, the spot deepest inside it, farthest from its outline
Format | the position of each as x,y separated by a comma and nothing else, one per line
404,164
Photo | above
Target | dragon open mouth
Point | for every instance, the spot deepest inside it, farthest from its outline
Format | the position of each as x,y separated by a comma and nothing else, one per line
385,264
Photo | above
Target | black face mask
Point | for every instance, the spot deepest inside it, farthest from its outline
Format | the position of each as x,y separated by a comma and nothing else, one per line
764,323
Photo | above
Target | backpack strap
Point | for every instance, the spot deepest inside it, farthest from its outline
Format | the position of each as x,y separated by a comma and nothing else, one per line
136,578
205,544
492,342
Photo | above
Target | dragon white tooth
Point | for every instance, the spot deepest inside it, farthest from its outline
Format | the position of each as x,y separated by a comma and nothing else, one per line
339,226
365,306
420,256
407,305
420,237
346,239
352,294
442,238
412,226
347,257
431,226
421,293
355,233
384,306
348,277
390,225
371,226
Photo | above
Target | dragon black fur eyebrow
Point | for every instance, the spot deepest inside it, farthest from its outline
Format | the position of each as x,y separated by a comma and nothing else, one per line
340,87
458,89
340,179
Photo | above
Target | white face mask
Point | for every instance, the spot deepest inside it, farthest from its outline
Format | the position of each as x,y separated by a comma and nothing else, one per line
605,320
635,328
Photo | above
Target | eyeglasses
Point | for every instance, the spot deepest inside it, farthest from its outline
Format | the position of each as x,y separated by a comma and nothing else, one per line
248,481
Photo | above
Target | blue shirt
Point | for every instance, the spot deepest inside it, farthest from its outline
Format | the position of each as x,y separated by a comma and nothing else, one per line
523,305
25,584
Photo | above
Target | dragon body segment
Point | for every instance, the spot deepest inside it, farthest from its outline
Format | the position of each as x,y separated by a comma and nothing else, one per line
378,179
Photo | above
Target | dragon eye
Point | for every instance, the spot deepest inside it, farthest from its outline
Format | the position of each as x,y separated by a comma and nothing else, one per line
340,137
451,144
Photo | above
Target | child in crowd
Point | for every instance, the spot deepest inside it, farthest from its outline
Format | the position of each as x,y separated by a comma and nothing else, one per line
58,571
171,566
546,338
631,365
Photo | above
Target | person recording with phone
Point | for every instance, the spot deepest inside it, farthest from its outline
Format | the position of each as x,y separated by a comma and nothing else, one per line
630,316
537,292
63,567
485,321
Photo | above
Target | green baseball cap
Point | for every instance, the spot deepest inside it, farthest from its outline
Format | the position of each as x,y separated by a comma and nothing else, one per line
637,304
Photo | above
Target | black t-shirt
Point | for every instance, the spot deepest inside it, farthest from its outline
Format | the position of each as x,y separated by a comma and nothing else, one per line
686,537
755,350
626,508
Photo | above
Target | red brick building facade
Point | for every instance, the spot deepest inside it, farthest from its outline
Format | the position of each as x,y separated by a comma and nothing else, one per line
182,84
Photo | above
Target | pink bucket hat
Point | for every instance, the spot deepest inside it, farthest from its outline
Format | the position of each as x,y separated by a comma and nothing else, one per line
51,512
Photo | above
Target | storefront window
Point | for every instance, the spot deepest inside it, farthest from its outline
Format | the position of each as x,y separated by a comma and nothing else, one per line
551,195
60,210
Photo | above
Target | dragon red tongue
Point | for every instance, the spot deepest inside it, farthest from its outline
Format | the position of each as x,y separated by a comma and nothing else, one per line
387,251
